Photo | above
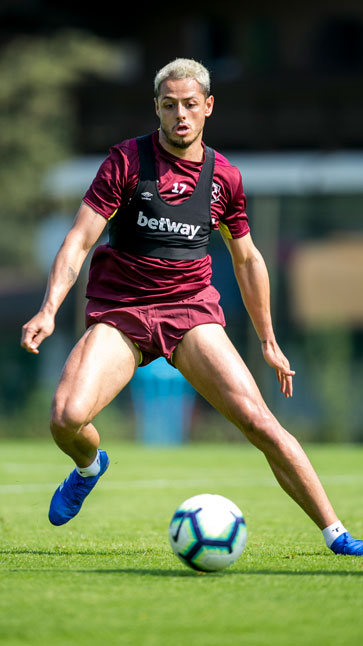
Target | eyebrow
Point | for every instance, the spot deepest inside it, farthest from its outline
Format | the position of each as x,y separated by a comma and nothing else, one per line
173,98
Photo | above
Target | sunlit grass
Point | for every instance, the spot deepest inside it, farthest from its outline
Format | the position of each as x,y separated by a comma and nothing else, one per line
110,577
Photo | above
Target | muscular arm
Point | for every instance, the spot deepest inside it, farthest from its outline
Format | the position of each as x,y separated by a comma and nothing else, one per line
253,281
87,228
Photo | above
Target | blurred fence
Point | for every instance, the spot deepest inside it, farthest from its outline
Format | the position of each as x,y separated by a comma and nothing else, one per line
306,216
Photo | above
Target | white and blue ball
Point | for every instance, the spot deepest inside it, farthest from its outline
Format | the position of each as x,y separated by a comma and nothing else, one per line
208,532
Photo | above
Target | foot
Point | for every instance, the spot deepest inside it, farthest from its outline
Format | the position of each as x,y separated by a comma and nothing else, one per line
68,498
345,544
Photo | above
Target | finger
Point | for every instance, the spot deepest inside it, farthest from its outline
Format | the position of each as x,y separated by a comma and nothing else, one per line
283,385
27,337
25,333
37,340
31,346
285,380
32,349
288,387
30,340
286,370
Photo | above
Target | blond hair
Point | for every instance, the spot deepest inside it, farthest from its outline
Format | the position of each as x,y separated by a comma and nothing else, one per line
182,68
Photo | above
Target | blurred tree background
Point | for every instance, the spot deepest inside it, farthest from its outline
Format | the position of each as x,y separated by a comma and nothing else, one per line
38,126
38,130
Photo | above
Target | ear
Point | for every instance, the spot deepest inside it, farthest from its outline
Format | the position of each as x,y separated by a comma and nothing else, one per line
156,107
209,103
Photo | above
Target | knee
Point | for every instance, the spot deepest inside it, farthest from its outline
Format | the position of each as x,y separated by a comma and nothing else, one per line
260,427
66,418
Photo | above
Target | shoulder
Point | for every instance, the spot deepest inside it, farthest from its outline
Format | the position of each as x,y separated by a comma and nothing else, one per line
121,161
224,165
126,153
227,174
125,150
116,178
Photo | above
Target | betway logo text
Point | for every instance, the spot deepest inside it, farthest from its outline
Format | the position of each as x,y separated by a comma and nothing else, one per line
164,224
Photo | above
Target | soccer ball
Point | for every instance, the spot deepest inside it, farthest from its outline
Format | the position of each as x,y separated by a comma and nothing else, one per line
208,532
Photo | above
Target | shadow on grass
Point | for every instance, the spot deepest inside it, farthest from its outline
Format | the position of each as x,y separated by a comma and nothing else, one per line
157,572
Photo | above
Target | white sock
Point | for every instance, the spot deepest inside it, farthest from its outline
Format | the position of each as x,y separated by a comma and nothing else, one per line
332,532
92,470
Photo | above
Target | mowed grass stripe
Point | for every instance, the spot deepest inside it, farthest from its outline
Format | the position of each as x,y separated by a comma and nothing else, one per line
28,487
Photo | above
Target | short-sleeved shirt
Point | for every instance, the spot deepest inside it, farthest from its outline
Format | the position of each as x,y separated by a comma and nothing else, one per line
128,278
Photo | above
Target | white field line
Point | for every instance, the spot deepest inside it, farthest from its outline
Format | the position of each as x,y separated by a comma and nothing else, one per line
179,484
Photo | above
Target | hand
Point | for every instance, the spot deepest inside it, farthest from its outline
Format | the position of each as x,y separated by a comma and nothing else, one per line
276,359
36,330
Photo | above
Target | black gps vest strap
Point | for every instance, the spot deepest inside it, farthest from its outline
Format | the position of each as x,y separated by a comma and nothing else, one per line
149,226
147,160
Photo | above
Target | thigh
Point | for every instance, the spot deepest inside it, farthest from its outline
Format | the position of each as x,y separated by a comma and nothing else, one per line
209,361
99,366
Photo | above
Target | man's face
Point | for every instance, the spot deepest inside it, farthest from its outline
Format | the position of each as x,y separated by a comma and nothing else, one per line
182,109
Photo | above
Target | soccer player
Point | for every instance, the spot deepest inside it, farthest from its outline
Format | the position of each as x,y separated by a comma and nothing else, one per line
150,295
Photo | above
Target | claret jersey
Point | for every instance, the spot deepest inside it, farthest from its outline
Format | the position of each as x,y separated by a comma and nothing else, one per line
120,274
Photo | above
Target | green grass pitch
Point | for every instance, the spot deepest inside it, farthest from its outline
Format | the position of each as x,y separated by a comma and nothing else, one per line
109,576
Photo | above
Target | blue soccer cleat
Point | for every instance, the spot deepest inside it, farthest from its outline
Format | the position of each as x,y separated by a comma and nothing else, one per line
68,498
346,544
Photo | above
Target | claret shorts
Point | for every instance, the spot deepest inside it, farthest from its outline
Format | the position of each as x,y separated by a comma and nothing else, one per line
157,329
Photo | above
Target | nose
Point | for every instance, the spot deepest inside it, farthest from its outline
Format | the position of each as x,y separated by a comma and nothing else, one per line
180,111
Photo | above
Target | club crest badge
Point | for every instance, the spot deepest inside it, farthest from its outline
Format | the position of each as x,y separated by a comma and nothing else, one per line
216,192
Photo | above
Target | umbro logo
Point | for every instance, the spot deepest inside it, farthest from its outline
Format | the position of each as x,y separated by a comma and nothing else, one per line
146,195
